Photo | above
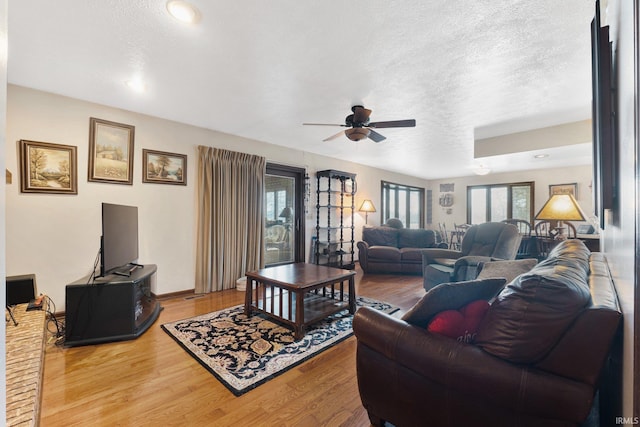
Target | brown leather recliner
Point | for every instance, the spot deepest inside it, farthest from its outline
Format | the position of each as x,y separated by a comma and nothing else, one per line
536,361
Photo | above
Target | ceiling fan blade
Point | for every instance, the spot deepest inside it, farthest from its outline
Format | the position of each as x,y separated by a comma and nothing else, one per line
375,136
360,114
323,124
332,137
394,124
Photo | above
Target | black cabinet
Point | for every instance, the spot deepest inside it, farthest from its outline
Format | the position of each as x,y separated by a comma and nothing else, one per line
111,308
335,207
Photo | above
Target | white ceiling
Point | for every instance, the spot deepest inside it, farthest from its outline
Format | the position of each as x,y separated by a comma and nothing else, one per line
259,69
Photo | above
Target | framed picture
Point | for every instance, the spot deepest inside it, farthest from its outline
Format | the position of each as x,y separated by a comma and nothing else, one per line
48,168
110,152
160,167
564,189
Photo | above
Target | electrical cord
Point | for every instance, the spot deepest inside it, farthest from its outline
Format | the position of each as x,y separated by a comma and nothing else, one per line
95,266
58,331
54,326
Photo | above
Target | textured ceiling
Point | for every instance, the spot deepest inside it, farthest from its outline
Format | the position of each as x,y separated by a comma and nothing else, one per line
259,69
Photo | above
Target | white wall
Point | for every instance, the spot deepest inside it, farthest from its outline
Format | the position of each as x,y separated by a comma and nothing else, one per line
543,178
57,236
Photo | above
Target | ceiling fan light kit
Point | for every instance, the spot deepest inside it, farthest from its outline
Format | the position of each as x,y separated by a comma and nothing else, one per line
482,170
357,134
361,127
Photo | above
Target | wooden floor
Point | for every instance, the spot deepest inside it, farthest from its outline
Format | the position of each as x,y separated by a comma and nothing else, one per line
153,381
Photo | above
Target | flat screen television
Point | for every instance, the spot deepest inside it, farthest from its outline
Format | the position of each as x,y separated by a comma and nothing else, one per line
604,141
119,242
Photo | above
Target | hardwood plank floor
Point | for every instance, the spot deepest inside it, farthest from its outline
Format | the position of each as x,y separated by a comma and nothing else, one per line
152,381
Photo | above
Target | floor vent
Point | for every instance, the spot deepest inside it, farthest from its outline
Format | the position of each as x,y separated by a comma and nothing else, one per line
194,296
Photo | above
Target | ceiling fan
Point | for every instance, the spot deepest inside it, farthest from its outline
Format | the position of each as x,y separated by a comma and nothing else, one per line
361,127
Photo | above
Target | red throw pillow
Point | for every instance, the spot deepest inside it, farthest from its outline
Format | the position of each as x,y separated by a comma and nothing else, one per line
460,324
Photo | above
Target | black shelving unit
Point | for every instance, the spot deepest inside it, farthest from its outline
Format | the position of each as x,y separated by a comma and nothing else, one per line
335,208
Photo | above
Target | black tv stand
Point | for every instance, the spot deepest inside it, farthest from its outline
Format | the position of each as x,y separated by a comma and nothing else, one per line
119,308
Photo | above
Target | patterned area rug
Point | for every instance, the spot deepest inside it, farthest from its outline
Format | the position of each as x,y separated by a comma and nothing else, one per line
245,352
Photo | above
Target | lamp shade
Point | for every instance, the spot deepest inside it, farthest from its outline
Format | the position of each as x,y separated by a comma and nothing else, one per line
561,207
367,206
286,213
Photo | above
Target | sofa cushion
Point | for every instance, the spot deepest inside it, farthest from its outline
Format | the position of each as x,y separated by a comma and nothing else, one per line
533,312
451,296
571,252
385,253
460,324
411,255
394,223
380,236
416,238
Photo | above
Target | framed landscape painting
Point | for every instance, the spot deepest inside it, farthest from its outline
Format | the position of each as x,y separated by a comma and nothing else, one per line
160,167
564,189
48,168
110,152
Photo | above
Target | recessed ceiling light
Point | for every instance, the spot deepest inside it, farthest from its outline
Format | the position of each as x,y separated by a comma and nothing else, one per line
540,156
136,85
183,11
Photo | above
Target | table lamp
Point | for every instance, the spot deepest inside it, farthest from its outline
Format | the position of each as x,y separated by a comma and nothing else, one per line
366,207
560,207
286,214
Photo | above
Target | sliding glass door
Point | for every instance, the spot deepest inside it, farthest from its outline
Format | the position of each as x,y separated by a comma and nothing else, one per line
284,215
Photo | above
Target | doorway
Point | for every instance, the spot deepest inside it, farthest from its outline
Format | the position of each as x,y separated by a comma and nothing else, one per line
284,215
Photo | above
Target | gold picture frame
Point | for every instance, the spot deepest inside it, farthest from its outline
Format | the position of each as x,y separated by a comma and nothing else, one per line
161,167
564,189
110,152
48,168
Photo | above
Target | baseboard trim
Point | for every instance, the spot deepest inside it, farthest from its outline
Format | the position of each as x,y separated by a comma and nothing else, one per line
178,294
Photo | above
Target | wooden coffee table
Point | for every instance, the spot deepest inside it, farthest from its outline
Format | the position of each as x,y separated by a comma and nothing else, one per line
299,294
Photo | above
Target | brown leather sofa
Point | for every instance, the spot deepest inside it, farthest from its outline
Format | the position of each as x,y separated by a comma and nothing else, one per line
386,249
536,361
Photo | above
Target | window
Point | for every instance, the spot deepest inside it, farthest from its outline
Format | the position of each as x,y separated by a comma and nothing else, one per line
275,201
403,202
493,203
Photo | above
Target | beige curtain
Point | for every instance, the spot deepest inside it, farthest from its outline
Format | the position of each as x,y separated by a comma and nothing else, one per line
230,217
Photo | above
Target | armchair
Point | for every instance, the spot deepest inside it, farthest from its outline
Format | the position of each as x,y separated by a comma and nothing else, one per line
276,239
481,243
275,236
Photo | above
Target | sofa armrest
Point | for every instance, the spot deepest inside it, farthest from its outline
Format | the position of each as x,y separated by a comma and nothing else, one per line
363,255
473,260
464,369
466,267
430,254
